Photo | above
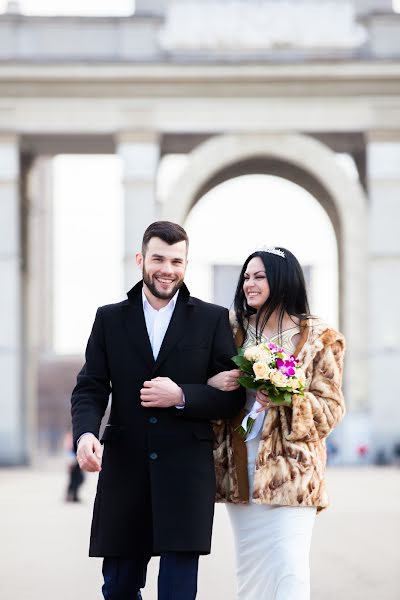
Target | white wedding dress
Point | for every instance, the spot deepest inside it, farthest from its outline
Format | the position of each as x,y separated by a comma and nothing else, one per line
272,542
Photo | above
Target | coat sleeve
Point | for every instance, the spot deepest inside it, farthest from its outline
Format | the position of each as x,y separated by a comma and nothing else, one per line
204,401
90,396
315,414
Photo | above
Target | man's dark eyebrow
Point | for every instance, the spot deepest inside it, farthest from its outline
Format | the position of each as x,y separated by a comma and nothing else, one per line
162,256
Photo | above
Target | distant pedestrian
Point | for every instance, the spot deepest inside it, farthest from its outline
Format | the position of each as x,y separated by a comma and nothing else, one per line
75,475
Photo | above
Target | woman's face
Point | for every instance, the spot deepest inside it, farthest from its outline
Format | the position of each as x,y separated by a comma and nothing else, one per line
255,285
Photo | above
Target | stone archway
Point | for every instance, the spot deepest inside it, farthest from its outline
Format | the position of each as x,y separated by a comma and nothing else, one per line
312,165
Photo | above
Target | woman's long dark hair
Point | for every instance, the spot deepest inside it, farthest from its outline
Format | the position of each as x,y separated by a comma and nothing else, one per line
287,291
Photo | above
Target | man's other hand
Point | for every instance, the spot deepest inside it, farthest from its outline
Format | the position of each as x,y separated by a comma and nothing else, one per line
89,453
161,392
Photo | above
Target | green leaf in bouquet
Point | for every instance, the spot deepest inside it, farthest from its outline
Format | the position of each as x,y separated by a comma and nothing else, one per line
242,431
279,398
287,399
240,352
273,392
243,363
248,382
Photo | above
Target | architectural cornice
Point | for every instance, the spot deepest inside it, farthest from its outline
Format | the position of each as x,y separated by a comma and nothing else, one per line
186,73
108,82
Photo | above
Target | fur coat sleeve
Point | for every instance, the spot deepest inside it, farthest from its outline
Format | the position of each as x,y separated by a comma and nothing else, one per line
314,415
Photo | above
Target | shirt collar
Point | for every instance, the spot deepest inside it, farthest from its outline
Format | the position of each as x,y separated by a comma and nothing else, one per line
170,306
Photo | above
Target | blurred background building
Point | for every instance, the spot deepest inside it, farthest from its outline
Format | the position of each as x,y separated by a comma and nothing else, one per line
250,123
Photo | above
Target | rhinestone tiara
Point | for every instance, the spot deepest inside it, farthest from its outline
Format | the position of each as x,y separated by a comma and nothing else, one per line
273,250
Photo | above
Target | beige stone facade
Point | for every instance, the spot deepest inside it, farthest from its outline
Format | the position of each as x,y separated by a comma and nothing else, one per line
135,87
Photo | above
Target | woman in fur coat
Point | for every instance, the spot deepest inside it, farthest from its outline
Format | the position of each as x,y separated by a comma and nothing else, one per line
274,481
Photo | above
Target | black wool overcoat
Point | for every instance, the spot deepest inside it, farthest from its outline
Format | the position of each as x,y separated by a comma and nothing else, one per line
157,484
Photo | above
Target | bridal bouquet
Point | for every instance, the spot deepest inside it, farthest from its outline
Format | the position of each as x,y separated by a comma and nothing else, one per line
268,368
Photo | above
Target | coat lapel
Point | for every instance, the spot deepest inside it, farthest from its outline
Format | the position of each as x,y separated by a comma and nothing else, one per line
135,325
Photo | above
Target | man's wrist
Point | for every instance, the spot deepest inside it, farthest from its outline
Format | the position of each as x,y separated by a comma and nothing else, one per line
181,403
82,436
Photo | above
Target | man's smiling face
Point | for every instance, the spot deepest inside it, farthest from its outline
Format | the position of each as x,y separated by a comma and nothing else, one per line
163,267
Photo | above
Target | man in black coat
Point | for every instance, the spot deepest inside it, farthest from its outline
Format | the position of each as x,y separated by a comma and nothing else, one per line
154,352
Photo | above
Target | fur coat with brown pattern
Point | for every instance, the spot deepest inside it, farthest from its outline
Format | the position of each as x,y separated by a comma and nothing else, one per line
291,461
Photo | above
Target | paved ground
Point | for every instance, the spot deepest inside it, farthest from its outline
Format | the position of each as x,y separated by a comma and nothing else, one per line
355,555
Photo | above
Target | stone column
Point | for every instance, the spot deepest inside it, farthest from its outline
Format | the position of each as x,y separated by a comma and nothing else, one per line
37,195
384,286
40,250
140,155
12,443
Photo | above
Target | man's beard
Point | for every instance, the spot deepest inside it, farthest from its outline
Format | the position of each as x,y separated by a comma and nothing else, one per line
157,293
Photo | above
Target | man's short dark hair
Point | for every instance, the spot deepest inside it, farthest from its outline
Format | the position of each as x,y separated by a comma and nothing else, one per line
168,232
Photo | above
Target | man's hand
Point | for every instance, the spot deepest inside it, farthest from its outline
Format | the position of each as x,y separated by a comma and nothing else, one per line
161,392
89,453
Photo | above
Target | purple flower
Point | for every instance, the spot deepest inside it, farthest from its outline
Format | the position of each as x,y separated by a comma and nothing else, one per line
287,367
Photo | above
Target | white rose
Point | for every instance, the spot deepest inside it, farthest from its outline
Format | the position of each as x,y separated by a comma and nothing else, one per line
259,353
278,379
261,370
294,384
251,353
264,354
301,376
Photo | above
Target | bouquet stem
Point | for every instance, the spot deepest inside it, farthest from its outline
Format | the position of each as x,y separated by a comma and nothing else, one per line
245,432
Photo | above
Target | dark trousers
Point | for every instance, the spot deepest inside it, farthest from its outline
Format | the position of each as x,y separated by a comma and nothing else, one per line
177,577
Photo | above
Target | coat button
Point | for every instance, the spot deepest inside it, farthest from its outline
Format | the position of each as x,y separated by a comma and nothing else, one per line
153,455
153,420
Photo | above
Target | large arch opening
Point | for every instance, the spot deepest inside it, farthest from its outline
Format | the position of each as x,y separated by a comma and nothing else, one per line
249,212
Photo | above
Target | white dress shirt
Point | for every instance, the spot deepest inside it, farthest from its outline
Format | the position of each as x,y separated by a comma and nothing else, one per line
157,321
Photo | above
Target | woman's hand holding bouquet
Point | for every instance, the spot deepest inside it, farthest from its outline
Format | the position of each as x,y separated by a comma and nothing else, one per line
269,369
